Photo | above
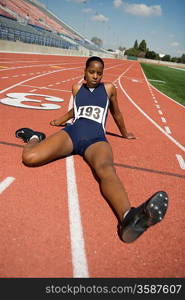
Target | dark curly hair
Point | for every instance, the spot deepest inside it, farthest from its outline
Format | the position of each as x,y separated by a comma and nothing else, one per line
94,58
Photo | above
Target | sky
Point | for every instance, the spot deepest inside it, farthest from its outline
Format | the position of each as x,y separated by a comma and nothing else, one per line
161,23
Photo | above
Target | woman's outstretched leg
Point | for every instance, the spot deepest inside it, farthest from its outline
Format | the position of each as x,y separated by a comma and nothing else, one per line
132,221
100,158
40,150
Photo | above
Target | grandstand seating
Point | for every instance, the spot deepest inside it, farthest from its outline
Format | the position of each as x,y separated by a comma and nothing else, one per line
30,22
12,30
5,13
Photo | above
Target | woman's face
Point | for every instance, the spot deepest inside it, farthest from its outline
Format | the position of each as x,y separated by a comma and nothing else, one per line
93,74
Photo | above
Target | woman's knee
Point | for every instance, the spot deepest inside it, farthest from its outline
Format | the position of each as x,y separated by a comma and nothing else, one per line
105,169
30,158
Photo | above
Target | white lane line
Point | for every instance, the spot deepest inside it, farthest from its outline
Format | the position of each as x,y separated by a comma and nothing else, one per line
157,80
167,129
5,183
33,66
79,258
181,161
29,79
151,120
163,119
46,88
153,87
168,97
180,69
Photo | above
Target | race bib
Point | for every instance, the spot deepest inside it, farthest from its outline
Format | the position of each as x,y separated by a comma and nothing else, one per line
94,113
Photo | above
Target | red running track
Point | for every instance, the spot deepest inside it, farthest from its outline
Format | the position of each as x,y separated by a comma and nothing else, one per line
54,221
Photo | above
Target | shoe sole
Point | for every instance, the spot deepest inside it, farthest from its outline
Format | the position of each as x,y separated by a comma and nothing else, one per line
154,212
156,208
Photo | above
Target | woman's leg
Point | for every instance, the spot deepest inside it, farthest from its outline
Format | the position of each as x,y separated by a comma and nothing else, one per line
37,153
100,158
138,219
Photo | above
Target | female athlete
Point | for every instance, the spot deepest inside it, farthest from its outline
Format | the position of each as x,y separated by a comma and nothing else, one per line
86,136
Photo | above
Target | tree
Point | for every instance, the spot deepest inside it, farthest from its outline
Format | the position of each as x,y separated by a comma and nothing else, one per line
141,54
174,59
143,51
157,56
143,46
166,57
136,45
131,52
97,41
151,55
183,58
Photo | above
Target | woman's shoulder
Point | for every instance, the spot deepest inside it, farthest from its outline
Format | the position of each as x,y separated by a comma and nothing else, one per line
109,87
76,87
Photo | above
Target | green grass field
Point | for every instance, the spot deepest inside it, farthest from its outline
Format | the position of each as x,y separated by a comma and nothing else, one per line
169,81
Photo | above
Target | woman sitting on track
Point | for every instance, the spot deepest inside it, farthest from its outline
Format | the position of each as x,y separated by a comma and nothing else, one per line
86,136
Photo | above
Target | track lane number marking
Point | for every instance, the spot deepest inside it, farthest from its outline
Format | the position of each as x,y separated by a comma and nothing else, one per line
18,99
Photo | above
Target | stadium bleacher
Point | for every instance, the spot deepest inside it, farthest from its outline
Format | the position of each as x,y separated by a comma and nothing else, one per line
29,21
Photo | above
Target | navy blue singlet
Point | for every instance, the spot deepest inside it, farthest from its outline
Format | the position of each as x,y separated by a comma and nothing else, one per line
90,114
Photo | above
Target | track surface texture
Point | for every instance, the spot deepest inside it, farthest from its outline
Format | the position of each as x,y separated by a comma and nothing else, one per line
54,221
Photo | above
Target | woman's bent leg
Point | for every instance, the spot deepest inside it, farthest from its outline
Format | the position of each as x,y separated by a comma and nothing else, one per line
37,153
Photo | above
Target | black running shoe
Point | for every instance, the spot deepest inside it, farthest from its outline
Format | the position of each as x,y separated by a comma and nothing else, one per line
26,133
139,219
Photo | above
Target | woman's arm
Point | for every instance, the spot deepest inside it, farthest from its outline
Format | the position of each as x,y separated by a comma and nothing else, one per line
70,114
117,115
63,119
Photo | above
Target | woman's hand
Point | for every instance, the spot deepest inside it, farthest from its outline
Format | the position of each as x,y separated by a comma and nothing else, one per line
129,136
56,123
